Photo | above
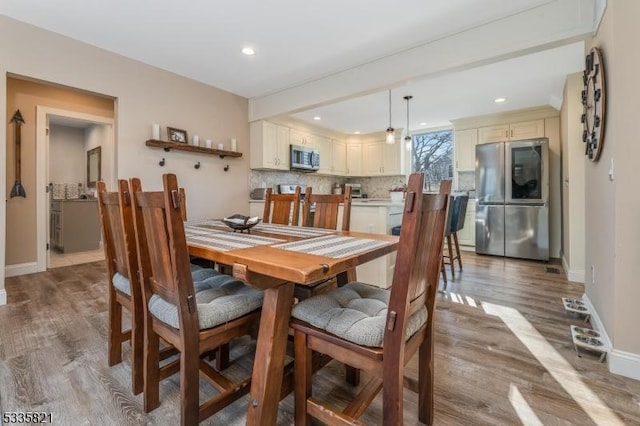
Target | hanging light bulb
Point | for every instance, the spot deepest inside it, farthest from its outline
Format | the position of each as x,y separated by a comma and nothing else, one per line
407,139
391,133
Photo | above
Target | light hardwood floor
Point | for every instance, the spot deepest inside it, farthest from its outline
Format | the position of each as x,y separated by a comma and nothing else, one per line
503,356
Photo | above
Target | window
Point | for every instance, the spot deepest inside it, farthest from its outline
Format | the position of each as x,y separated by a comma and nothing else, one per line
432,153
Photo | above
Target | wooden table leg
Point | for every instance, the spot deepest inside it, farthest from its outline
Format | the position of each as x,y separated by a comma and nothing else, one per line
270,352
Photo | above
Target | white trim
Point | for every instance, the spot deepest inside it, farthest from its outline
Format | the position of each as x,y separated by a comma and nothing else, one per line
42,170
21,269
600,7
596,323
576,276
625,364
3,297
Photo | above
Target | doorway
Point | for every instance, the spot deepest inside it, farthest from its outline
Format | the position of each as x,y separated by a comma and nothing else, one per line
68,225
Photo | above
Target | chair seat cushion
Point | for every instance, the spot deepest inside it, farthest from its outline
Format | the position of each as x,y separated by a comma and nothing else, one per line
198,273
356,312
220,298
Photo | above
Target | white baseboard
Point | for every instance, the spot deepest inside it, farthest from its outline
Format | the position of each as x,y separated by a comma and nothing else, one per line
625,364
596,323
467,248
3,297
620,362
576,276
21,269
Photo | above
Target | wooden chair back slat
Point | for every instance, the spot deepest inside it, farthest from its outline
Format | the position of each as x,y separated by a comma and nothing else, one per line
326,209
162,244
418,260
282,209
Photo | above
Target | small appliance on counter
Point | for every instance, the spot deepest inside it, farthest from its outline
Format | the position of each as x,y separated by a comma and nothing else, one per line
336,189
356,189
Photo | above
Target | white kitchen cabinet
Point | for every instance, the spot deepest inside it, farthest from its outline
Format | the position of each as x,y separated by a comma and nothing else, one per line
300,138
354,159
511,132
377,218
467,235
465,142
339,158
381,159
269,146
325,150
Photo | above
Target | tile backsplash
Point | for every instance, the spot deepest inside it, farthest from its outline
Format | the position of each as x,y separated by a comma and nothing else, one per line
374,187
466,181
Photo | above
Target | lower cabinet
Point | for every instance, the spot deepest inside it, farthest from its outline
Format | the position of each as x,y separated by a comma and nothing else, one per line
377,219
74,225
467,235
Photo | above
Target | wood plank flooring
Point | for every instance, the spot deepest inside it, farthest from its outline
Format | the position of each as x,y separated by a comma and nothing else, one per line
503,356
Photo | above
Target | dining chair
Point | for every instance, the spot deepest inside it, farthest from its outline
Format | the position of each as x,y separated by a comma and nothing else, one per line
118,236
378,330
196,318
326,209
325,215
282,209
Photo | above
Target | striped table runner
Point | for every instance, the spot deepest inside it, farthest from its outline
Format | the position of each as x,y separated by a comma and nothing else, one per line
224,240
333,246
294,231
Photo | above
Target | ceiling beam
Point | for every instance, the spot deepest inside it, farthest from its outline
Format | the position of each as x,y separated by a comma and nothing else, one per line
551,24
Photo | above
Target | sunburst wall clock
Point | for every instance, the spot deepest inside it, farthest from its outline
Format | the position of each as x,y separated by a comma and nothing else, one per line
594,104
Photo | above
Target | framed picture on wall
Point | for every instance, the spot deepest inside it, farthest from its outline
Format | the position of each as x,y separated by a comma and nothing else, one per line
177,135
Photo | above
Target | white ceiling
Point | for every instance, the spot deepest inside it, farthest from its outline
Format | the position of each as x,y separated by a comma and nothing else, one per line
298,42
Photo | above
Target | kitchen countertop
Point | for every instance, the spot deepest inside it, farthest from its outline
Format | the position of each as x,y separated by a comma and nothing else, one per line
361,202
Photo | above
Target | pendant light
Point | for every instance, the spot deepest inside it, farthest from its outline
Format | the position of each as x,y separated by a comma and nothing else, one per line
391,133
407,139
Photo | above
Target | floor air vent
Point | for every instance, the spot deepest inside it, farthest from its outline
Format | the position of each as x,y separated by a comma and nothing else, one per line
553,270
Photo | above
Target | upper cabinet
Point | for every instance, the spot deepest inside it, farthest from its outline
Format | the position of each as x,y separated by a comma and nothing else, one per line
381,159
325,149
511,132
269,146
339,157
354,159
300,138
464,144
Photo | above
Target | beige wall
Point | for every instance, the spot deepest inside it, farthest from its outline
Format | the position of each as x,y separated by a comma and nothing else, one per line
573,186
66,155
613,228
144,95
21,212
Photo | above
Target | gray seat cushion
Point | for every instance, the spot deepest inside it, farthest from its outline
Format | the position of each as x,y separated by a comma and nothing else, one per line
220,298
198,273
356,312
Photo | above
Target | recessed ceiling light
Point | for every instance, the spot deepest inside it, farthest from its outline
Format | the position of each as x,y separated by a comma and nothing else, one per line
423,124
499,100
317,117
357,132
248,51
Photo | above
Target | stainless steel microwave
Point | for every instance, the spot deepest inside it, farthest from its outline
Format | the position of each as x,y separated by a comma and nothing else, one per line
304,159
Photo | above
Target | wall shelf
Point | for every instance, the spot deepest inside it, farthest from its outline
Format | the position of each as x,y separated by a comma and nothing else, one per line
168,146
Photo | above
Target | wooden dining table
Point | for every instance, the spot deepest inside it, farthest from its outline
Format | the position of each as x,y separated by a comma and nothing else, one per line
274,258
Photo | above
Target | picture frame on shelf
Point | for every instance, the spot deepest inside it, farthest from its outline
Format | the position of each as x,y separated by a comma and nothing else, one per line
177,135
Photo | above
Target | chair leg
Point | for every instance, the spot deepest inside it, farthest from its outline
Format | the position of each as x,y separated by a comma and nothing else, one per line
303,370
352,375
444,274
392,394
455,240
137,353
222,357
453,273
425,380
151,369
189,386
115,330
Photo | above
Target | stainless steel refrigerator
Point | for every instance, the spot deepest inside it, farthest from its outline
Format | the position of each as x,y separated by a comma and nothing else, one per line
512,199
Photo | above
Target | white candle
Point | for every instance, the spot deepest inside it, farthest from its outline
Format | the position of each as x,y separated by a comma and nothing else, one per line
234,145
195,140
220,146
155,131
207,143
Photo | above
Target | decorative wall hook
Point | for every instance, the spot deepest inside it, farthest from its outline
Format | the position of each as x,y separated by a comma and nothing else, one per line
161,162
197,165
226,168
